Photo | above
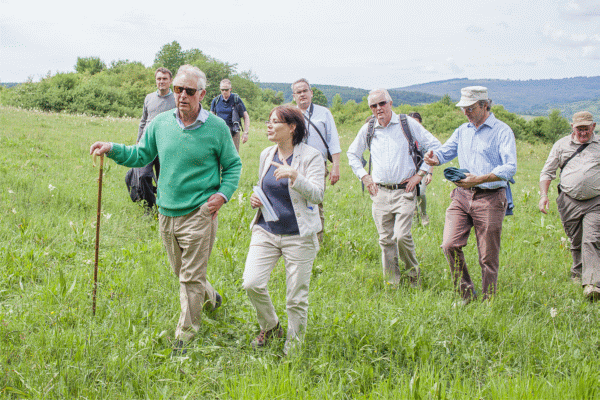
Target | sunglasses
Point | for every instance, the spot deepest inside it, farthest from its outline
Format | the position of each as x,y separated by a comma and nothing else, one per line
188,91
470,109
380,104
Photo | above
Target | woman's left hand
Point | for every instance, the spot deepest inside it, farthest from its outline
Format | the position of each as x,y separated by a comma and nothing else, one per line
284,171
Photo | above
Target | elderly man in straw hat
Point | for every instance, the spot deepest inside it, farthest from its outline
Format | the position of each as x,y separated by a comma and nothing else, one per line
486,147
578,157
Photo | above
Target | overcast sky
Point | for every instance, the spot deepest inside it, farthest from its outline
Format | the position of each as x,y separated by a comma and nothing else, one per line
358,43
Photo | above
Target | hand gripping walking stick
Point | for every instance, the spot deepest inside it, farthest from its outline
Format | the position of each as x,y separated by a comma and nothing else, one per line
97,231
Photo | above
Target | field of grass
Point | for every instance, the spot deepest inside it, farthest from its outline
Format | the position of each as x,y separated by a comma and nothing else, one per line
538,339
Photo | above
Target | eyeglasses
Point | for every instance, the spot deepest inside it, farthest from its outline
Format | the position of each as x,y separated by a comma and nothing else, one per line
273,122
302,91
470,109
188,91
380,104
225,90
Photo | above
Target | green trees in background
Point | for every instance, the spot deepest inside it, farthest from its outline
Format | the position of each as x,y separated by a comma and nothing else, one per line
119,90
91,65
318,97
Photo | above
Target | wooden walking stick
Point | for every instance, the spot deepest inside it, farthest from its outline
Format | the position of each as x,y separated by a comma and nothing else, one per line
97,231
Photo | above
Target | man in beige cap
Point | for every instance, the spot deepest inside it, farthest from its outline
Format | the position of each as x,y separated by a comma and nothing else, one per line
486,147
578,157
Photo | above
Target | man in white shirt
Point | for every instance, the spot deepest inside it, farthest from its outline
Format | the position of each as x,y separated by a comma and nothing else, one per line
392,185
322,134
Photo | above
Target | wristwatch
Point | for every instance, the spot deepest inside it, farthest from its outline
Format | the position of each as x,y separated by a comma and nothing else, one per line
421,173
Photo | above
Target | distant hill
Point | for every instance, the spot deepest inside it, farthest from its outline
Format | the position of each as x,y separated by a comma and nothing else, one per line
9,84
399,96
524,97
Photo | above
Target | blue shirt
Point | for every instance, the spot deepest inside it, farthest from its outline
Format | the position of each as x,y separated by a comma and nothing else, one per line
491,148
278,193
224,108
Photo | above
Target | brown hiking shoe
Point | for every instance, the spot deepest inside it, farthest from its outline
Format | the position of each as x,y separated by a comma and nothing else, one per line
264,336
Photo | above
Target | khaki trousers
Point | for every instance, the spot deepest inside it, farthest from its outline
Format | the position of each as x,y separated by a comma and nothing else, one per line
189,240
485,212
299,254
393,213
236,141
581,221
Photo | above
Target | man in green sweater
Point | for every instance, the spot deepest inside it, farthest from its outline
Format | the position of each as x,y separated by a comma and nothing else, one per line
200,170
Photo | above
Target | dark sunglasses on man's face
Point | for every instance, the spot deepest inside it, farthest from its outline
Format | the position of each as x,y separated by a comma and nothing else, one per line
380,104
189,91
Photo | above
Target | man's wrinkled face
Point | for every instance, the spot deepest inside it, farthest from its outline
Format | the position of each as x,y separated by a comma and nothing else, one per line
163,81
302,95
186,103
381,108
583,133
476,113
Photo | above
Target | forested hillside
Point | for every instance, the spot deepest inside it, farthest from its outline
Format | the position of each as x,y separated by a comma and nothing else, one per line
350,93
536,97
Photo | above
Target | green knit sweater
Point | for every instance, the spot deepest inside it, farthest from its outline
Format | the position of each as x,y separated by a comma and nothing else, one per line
194,164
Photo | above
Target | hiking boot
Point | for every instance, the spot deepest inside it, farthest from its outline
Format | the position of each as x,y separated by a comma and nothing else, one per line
415,281
591,292
265,336
424,219
179,350
218,301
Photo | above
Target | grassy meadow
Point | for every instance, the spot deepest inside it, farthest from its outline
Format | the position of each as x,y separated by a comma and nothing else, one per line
538,339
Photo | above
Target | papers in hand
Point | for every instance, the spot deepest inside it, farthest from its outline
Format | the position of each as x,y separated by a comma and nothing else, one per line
266,208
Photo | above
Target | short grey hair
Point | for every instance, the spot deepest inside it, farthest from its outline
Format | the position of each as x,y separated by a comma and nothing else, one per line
190,70
380,91
301,80
225,81
487,104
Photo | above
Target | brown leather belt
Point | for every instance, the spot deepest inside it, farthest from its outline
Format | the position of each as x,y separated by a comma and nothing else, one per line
484,190
393,187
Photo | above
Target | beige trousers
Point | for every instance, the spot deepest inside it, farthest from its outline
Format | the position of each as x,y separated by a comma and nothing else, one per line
299,254
189,240
393,213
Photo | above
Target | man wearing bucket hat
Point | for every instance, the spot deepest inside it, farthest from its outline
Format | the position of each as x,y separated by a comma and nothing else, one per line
578,157
486,147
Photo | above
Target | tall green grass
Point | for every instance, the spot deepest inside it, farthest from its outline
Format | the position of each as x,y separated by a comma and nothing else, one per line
538,339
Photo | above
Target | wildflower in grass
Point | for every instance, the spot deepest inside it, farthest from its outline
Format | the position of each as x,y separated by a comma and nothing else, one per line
240,197
10,191
14,210
107,215
51,188
553,312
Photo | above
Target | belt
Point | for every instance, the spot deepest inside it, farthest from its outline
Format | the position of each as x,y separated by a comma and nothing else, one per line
393,187
484,190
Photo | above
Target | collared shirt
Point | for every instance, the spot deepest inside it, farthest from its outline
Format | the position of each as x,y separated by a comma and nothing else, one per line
200,119
580,178
323,120
491,148
390,155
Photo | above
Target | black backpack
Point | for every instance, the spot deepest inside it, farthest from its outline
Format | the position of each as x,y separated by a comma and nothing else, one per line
237,112
134,187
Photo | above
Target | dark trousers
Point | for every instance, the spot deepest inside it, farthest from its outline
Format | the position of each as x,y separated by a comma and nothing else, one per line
146,179
483,211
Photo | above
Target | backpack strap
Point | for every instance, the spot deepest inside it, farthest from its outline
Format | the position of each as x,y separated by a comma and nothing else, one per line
413,147
370,135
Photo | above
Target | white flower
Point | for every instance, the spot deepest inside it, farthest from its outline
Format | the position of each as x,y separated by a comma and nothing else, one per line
107,215
71,223
50,187
553,312
10,191
240,197
14,210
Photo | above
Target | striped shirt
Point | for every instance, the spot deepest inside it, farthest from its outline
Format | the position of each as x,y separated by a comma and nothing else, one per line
491,148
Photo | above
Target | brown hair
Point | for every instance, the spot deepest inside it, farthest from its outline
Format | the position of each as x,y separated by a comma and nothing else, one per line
292,116
164,71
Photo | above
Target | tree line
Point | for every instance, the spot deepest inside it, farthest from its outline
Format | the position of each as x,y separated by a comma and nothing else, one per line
119,89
